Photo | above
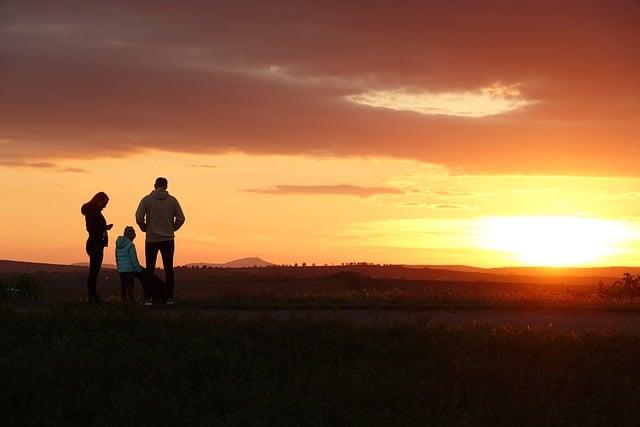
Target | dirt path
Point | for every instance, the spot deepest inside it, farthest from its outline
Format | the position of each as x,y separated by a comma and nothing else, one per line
567,320
558,320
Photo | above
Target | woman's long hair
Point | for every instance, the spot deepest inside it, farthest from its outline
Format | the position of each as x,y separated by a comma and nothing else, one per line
101,196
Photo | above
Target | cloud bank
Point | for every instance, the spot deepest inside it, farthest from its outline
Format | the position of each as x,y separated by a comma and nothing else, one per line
414,80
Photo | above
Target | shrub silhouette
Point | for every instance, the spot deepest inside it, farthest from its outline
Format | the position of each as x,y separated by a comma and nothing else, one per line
352,280
27,286
627,287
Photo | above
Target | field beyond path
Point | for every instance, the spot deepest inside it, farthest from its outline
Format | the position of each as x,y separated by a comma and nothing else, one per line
115,365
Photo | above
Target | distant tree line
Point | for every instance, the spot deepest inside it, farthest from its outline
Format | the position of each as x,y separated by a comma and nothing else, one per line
294,265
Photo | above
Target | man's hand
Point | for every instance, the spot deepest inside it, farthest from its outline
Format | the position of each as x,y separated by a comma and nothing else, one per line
109,226
143,227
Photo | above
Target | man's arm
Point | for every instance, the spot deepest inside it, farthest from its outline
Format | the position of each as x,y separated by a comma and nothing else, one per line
140,215
178,216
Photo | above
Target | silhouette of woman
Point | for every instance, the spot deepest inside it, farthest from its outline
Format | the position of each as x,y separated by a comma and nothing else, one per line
98,239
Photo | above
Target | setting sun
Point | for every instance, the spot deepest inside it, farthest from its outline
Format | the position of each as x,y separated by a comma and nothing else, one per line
554,240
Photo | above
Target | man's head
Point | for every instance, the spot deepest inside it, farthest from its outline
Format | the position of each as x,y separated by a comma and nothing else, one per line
161,183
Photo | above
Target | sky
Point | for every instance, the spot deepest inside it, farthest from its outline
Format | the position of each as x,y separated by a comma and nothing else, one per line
483,133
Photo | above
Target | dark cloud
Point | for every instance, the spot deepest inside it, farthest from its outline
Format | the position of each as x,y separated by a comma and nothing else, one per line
91,79
340,189
74,170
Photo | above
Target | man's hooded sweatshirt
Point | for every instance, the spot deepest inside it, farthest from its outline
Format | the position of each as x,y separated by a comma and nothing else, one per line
161,215
126,256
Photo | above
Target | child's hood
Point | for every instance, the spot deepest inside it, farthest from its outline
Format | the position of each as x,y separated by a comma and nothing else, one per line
122,242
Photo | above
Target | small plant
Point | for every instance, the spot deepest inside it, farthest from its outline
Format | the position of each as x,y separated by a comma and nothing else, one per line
27,286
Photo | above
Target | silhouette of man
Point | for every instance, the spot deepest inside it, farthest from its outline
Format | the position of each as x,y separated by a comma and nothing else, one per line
159,215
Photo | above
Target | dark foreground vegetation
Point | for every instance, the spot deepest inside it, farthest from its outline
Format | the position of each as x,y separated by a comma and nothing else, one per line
118,365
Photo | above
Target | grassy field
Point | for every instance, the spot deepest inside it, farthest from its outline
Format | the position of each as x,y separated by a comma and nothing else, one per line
352,293
441,296
109,365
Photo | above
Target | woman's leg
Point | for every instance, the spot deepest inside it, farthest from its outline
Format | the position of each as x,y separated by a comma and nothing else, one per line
95,263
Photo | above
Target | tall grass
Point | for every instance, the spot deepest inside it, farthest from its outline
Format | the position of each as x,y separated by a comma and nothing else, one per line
110,366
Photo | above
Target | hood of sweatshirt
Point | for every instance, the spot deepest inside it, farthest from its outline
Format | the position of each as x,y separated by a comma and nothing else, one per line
122,242
159,194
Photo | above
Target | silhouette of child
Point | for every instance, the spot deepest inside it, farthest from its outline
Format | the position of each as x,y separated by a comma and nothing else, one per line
127,262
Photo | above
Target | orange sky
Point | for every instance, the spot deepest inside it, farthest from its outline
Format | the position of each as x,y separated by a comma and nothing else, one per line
323,131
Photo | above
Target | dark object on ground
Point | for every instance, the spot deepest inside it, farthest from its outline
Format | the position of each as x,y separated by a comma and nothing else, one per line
353,280
156,288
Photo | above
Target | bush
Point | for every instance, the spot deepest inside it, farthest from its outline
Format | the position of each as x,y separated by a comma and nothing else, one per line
28,286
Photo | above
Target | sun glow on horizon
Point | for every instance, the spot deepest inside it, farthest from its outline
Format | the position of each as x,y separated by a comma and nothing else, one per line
554,241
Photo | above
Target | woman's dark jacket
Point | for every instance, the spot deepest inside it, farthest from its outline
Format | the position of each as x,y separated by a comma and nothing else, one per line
96,225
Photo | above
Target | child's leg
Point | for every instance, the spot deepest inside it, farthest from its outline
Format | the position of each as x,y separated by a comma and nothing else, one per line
123,287
126,280
130,290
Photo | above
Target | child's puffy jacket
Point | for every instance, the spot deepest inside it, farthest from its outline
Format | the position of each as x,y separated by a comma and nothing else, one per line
126,256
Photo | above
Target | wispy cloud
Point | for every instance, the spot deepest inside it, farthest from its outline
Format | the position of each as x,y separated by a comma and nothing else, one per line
40,165
415,204
339,189
22,164
194,165
487,101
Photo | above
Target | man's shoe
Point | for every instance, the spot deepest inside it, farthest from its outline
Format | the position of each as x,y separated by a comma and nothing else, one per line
148,302
170,301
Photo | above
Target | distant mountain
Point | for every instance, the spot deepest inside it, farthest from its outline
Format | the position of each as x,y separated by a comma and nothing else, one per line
237,263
